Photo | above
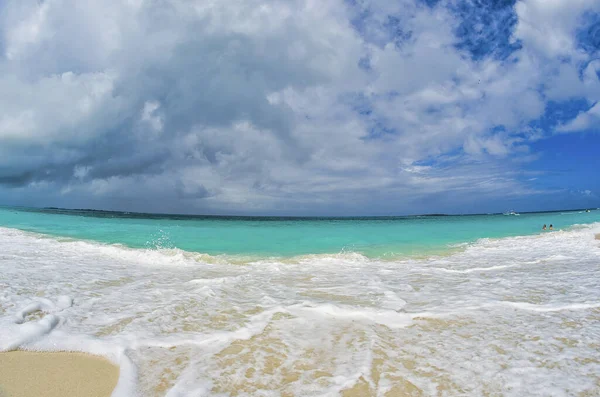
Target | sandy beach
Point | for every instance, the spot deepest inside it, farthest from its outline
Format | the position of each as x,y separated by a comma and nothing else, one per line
598,236
62,374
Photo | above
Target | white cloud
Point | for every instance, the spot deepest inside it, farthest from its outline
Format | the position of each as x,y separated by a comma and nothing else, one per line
55,106
150,115
548,27
81,172
28,29
583,121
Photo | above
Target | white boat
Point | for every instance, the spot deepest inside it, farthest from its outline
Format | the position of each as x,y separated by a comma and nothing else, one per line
511,212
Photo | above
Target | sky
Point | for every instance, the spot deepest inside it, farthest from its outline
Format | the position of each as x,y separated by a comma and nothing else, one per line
300,107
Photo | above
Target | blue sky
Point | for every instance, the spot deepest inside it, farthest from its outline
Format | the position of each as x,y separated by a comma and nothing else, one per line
300,107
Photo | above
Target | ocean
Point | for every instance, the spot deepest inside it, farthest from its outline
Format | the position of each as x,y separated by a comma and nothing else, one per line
228,306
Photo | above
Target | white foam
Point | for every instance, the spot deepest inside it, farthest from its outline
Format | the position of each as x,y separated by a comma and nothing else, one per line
389,318
514,316
552,308
22,334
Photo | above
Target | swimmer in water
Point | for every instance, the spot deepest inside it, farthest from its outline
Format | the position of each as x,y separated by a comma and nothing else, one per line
551,228
544,227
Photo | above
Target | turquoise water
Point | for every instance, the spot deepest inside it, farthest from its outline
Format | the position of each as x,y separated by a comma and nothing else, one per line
286,237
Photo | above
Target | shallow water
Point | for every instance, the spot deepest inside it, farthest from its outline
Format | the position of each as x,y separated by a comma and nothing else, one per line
502,317
248,239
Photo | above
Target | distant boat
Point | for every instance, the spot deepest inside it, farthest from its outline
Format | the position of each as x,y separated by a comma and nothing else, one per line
511,212
588,211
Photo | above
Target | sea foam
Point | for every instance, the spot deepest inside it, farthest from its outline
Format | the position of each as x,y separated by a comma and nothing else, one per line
513,316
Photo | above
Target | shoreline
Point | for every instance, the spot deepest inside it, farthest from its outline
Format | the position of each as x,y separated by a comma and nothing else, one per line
56,374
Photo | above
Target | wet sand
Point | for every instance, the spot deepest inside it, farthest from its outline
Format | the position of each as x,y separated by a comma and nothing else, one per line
61,374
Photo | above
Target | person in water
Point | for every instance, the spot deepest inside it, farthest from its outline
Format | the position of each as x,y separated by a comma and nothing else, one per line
544,227
551,228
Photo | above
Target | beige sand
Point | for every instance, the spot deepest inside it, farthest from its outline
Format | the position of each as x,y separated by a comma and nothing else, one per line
598,236
29,374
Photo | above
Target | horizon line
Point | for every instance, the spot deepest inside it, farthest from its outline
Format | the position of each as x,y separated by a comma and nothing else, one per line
166,214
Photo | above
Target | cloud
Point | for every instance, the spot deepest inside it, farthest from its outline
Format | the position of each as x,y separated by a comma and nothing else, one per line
548,27
583,121
272,105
